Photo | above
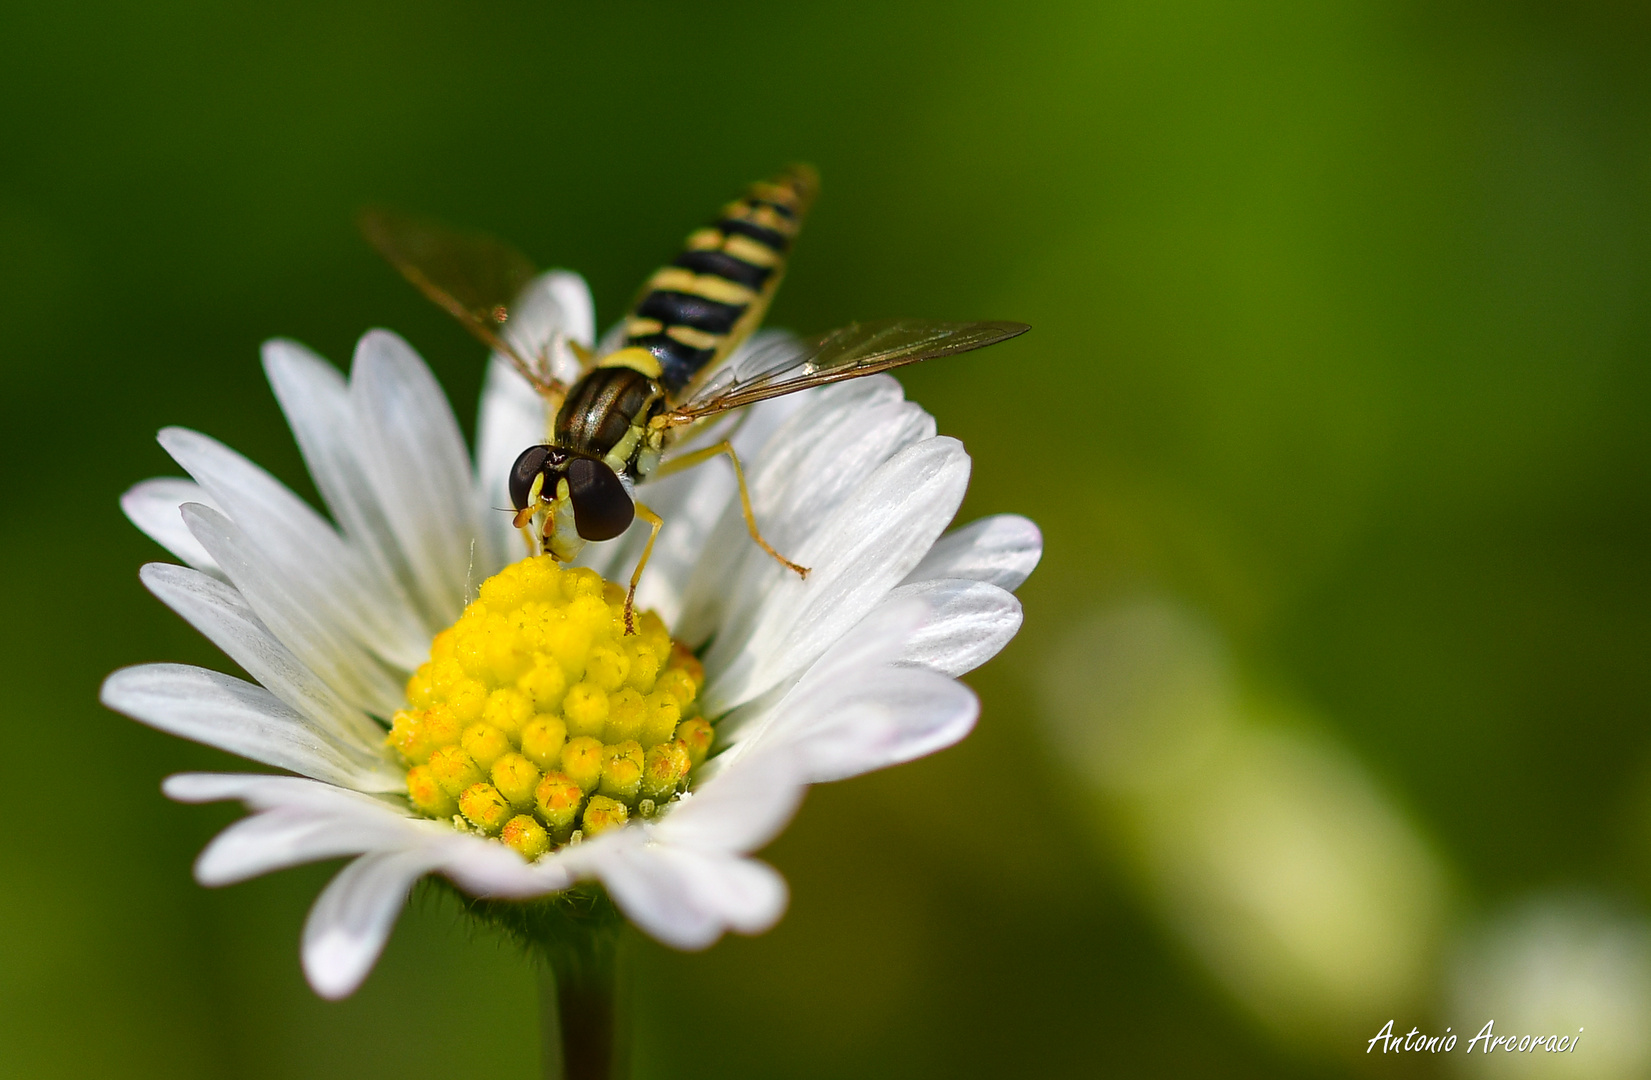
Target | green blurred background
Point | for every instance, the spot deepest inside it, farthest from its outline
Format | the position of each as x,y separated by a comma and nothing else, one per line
1339,357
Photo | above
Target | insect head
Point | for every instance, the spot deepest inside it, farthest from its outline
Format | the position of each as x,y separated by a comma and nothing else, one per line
602,507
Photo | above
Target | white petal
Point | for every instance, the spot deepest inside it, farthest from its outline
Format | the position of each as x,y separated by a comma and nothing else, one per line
219,612
873,645
692,503
278,839
687,898
352,918
512,419
241,718
749,894
280,604
822,455
414,454
818,459
858,708
968,623
316,401
554,304
899,716
651,894
320,570
487,868
877,641
740,809
153,506
261,791
481,867
857,555
1002,549
573,296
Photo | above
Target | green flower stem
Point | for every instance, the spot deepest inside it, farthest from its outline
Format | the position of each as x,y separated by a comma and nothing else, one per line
578,1012
574,938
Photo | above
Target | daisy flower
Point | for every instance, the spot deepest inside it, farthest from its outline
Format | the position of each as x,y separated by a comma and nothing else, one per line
440,709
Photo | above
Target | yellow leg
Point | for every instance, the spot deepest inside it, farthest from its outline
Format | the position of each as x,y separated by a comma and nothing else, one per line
655,521
523,521
688,461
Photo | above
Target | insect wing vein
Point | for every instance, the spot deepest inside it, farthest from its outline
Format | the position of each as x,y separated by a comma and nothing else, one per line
847,353
474,277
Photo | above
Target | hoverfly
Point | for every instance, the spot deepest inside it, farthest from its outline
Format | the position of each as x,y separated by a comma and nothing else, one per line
671,369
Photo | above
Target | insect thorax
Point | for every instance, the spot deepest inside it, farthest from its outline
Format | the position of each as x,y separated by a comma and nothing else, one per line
606,415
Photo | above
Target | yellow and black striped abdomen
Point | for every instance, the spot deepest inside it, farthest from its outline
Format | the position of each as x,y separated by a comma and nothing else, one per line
695,310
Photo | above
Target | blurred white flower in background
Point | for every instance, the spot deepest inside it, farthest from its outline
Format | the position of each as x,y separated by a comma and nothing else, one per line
1551,966
1264,847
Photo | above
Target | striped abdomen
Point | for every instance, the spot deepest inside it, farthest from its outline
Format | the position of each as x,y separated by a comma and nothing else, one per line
695,310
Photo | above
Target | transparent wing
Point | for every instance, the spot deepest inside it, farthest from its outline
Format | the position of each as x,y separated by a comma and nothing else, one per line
788,365
473,277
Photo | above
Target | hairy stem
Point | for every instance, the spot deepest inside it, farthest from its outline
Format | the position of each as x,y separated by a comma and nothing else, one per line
574,937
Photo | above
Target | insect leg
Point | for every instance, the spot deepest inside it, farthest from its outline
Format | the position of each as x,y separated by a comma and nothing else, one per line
655,521
523,520
688,461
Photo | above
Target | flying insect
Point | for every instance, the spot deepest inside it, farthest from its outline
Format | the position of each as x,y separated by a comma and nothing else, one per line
672,368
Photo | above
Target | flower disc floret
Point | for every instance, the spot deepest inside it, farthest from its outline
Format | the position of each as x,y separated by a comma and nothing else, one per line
538,720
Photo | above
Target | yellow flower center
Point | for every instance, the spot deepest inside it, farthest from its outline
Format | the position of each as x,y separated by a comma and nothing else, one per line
539,721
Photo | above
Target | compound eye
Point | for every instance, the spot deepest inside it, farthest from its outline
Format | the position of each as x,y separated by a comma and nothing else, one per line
529,464
602,508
